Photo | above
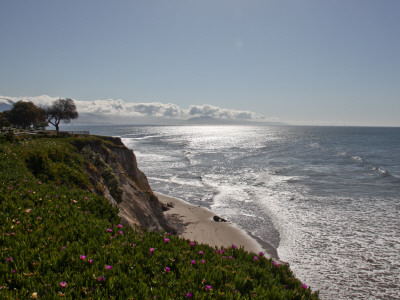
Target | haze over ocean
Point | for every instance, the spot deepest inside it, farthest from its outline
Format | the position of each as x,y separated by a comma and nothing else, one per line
299,62
326,197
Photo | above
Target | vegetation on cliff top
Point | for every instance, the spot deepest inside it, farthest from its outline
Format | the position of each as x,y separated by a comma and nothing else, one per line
25,114
59,239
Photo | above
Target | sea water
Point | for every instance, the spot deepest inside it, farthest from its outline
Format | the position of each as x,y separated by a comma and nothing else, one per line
327,198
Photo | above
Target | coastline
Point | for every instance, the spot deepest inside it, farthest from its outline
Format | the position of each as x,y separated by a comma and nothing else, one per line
196,223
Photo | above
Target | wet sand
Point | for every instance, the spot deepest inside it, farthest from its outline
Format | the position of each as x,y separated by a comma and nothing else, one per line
197,224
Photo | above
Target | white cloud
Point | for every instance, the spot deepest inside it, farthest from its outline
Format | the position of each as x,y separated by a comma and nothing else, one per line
160,110
222,113
42,101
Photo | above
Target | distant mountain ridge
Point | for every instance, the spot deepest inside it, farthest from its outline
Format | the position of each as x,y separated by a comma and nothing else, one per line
92,117
207,120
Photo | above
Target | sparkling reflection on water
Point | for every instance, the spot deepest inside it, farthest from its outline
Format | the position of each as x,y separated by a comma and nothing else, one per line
327,198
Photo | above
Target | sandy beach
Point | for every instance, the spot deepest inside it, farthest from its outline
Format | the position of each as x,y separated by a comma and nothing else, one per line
196,223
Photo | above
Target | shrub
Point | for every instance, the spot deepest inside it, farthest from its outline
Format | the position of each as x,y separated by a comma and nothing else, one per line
111,180
60,240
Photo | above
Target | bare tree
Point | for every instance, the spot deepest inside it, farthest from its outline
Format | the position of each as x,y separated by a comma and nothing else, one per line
61,110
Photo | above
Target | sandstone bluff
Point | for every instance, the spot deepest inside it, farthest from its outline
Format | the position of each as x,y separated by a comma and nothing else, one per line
139,206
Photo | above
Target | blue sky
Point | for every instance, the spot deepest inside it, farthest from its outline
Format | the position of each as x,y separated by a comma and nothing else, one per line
301,62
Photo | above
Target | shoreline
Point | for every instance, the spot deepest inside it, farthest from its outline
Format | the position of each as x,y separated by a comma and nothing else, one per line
196,223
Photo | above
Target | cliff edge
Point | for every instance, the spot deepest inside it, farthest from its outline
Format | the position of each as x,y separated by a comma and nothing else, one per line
138,206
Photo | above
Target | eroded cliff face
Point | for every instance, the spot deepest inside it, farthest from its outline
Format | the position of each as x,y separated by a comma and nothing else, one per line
139,206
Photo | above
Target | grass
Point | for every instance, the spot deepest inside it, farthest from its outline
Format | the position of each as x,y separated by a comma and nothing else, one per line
59,239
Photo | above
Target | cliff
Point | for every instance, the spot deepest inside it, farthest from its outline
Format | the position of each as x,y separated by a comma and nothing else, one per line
138,206
59,239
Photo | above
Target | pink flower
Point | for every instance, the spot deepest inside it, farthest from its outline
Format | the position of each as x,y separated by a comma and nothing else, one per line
167,269
275,264
193,262
39,218
63,248
233,247
6,234
217,251
13,271
152,250
28,210
304,286
261,253
188,295
90,261
74,201
82,257
132,244
121,232
9,259
39,182
109,229
120,226
101,278
201,252
108,267
208,287
166,240
192,244
86,198
203,261
255,258
230,257
223,251
63,284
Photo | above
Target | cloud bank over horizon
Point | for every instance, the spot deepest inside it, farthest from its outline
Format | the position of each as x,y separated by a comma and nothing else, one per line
119,107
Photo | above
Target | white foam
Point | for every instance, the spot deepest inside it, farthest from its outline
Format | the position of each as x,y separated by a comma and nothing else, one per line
338,227
357,158
175,180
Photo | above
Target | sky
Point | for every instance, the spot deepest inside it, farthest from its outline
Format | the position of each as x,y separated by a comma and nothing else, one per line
313,62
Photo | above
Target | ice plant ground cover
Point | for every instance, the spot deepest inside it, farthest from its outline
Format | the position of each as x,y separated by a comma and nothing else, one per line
59,239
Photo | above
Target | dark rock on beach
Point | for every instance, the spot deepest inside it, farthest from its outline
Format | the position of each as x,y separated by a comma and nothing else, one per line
218,219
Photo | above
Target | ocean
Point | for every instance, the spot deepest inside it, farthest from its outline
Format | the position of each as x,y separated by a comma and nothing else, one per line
327,198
